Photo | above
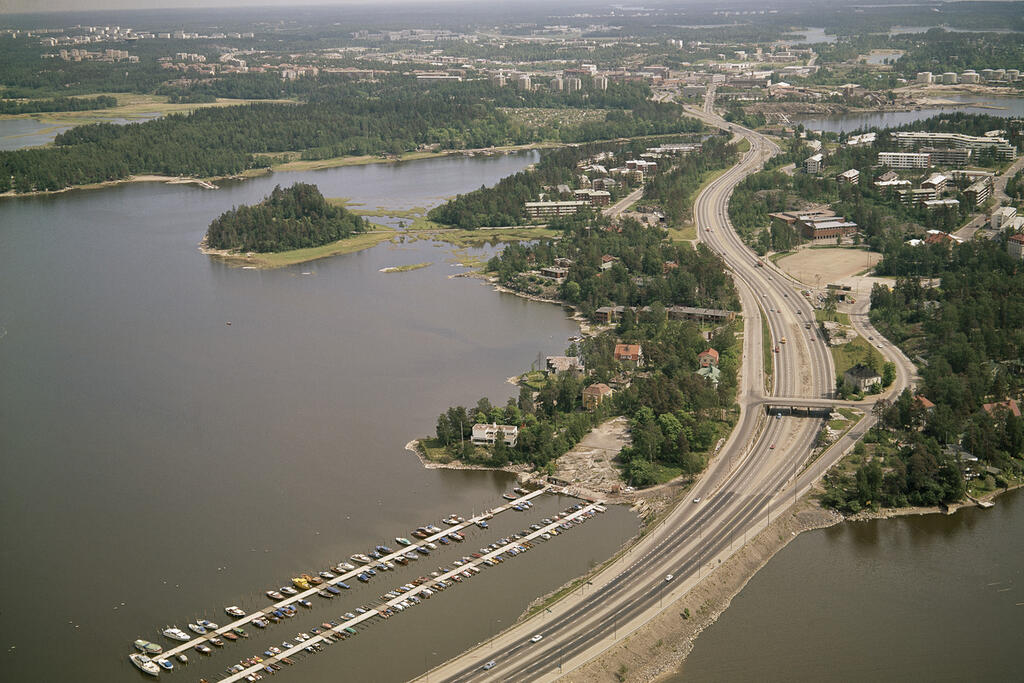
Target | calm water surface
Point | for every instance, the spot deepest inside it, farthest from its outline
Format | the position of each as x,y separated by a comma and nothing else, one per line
157,464
993,106
19,133
931,598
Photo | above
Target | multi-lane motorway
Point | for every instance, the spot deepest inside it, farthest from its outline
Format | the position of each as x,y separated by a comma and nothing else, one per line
761,468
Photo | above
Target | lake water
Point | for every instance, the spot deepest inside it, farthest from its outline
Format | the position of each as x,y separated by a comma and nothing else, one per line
158,464
928,598
20,133
993,106
808,36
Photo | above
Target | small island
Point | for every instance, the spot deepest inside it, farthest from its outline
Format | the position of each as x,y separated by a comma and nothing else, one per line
297,217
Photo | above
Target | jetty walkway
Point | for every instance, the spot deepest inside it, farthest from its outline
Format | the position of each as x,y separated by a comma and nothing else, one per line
347,576
341,630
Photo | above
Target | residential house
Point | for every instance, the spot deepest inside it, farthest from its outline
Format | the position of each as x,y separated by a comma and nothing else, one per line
629,354
595,394
1009,405
556,273
607,261
487,434
708,358
862,377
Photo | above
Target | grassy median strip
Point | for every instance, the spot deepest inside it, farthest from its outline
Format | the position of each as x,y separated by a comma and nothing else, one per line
766,349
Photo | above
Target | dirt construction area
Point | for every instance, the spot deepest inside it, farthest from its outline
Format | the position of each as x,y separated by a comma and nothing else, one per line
819,267
589,467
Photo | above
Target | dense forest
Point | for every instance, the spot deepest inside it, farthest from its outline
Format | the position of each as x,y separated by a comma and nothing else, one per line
673,189
395,116
57,104
967,335
296,217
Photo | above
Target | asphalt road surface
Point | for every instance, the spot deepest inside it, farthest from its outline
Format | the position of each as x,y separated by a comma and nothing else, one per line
760,470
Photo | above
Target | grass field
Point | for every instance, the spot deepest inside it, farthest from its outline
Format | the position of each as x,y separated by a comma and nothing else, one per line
129,106
289,258
822,316
848,355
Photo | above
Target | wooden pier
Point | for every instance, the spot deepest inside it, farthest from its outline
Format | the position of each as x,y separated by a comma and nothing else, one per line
347,576
339,630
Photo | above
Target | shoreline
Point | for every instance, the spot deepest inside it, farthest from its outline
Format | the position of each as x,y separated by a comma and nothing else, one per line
289,167
656,652
281,259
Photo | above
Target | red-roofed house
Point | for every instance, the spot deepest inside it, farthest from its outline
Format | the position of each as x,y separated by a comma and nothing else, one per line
594,394
607,261
1010,405
629,354
708,358
924,403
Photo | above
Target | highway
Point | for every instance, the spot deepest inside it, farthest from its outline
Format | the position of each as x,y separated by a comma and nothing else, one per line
760,470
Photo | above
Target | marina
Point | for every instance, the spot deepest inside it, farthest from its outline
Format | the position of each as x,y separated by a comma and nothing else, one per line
414,591
328,584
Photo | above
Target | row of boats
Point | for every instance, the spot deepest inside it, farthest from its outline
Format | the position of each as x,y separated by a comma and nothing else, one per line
381,559
413,593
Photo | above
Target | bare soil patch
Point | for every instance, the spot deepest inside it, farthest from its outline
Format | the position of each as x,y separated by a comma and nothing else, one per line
819,267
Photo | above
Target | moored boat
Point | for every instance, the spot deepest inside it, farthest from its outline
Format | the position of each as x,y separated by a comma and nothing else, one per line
275,595
147,648
234,611
300,583
360,558
288,590
207,624
183,658
165,664
402,541
145,664
176,633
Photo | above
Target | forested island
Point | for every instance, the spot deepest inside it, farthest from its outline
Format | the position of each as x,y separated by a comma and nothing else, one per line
297,217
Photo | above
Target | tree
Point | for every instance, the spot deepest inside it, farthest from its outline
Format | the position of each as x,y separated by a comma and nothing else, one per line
888,373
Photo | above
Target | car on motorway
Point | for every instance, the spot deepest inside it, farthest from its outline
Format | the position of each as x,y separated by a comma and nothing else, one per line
488,666
778,416
668,577
536,638
697,499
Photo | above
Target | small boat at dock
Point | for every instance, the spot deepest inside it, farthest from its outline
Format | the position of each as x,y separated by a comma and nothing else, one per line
508,496
145,664
234,611
147,648
273,595
176,633
360,558
402,541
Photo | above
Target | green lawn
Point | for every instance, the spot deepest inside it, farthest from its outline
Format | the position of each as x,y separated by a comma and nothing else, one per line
822,316
766,345
848,355
535,379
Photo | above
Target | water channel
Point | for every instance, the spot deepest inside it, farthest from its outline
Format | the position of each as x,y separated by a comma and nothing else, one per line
17,133
924,598
966,103
159,464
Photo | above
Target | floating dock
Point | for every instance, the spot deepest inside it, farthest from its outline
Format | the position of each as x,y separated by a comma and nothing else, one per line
339,631
347,576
